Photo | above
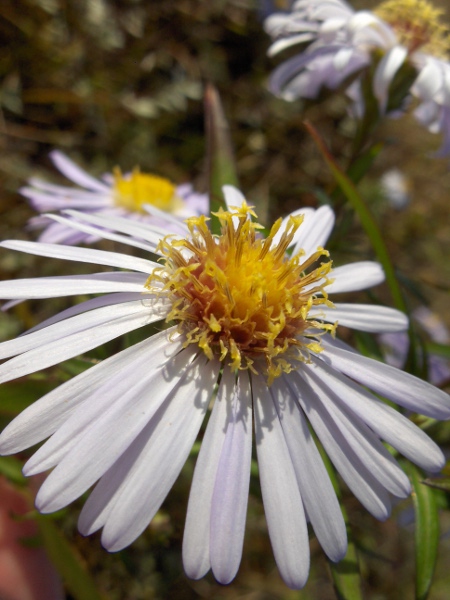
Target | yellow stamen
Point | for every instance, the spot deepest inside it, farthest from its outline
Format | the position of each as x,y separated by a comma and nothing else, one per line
135,190
418,25
240,297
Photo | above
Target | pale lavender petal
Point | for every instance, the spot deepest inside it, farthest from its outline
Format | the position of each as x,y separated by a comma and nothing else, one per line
196,539
283,505
130,493
233,197
400,387
385,421
103,232
45,416
230,497
72,285
88,255
358,478
385,73
93,303
306,212
75,173
104,429
129,224
364,317
355,276
360,438
75,344
315,235
315,486
76,324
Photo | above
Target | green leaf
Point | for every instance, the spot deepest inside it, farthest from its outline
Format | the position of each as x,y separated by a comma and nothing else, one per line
438,483
221,165
427,532
363,162
438,349
67,561
17,395
346,574
367,221
11,468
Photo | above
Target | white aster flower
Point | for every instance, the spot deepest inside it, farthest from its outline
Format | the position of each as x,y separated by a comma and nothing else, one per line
136,195
250,320
339,44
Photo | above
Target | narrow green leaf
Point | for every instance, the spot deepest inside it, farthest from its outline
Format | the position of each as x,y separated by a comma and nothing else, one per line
367,221
438,483
221,165
68,562
363,162
346,575
438,349
427,532
11,468
17,395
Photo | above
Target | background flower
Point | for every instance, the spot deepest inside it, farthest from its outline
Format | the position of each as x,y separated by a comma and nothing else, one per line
404,43
116,194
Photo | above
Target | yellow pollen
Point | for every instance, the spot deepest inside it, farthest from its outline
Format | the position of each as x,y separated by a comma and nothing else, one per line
135,190
418,25
240,297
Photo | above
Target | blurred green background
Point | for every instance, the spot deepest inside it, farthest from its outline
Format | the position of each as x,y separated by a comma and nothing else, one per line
121,82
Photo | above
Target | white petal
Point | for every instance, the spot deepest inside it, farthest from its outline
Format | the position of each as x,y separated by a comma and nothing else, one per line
230,497
72,285
196,554
94,303
355,276
233,197
364,317
87,255
284,43
104,430
400,387
282,502
315,232
137,229
360,438
44,417
306,212
75,344
75,173
130,493
105,233
385,73
364,486
130,379
70,326
385,421
315,486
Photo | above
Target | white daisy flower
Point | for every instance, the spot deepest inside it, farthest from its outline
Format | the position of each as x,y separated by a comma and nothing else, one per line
136,195
398,35
252,328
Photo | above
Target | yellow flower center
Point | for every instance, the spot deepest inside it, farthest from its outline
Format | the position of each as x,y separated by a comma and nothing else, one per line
417,24
240,297
135,190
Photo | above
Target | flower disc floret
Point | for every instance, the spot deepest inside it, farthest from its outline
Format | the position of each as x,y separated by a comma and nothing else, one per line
240,296
418,25
136,189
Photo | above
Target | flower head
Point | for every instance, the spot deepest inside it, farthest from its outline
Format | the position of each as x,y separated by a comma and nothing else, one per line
136,195
251,326
405,41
